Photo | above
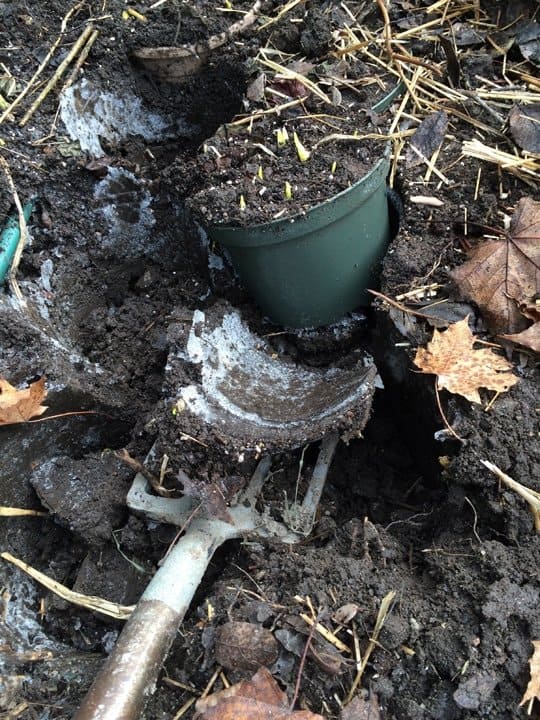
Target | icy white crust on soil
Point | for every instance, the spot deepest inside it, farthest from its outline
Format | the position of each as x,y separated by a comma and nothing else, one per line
89,113
125,206
242,378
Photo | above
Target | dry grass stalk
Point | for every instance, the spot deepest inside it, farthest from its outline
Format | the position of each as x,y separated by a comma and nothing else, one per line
271,111
80,60
20,97
334,137
419,31
325,633
283,11
531,496
292,75
90,602
420,292
531,80
514,96
526,168
6,511
185,707
431,164
75,49
373,641
470,120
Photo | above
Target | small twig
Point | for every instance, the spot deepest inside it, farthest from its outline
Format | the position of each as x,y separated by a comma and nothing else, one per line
301,666
68,414
400,306
134,464
531,496
443,416
79,43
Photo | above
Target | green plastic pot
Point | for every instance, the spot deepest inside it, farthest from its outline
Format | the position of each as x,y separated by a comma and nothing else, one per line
309,270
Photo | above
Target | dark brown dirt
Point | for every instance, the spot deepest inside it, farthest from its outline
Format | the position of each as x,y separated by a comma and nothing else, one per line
112,276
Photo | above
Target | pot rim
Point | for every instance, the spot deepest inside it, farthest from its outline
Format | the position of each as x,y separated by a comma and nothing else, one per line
317,217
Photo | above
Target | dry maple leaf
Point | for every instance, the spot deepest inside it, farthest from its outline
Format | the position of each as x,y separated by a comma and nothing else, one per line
459,367
532,692
17,406
528,338
260,698
503,276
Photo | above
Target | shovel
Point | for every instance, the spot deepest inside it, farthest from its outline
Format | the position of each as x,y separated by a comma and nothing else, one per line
129,674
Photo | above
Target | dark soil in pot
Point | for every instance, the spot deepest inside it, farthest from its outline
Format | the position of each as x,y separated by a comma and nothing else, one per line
460,552
244,177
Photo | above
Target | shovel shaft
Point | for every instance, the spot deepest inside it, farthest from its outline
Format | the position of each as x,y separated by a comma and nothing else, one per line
131,670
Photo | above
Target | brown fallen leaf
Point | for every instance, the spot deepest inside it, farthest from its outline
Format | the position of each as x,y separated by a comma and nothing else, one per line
524,125
532,692
245,646
361,709
529,338
17,406
427,137
503,276
459,367
260,698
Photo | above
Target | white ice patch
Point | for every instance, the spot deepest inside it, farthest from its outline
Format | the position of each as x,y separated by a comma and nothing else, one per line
89,113
125,205
25,632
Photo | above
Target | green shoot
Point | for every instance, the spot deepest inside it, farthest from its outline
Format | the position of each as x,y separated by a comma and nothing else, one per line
242,203
282,136
288,190
333,168
260,173
301,151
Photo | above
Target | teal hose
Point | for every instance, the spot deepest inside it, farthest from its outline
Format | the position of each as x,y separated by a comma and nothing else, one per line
9,239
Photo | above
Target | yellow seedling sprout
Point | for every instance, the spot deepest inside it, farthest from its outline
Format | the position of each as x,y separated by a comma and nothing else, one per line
288,190
301,151
333,168
260,173
282,136
132,13
242,203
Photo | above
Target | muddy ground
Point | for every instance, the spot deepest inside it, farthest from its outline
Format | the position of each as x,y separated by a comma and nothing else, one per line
112,276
